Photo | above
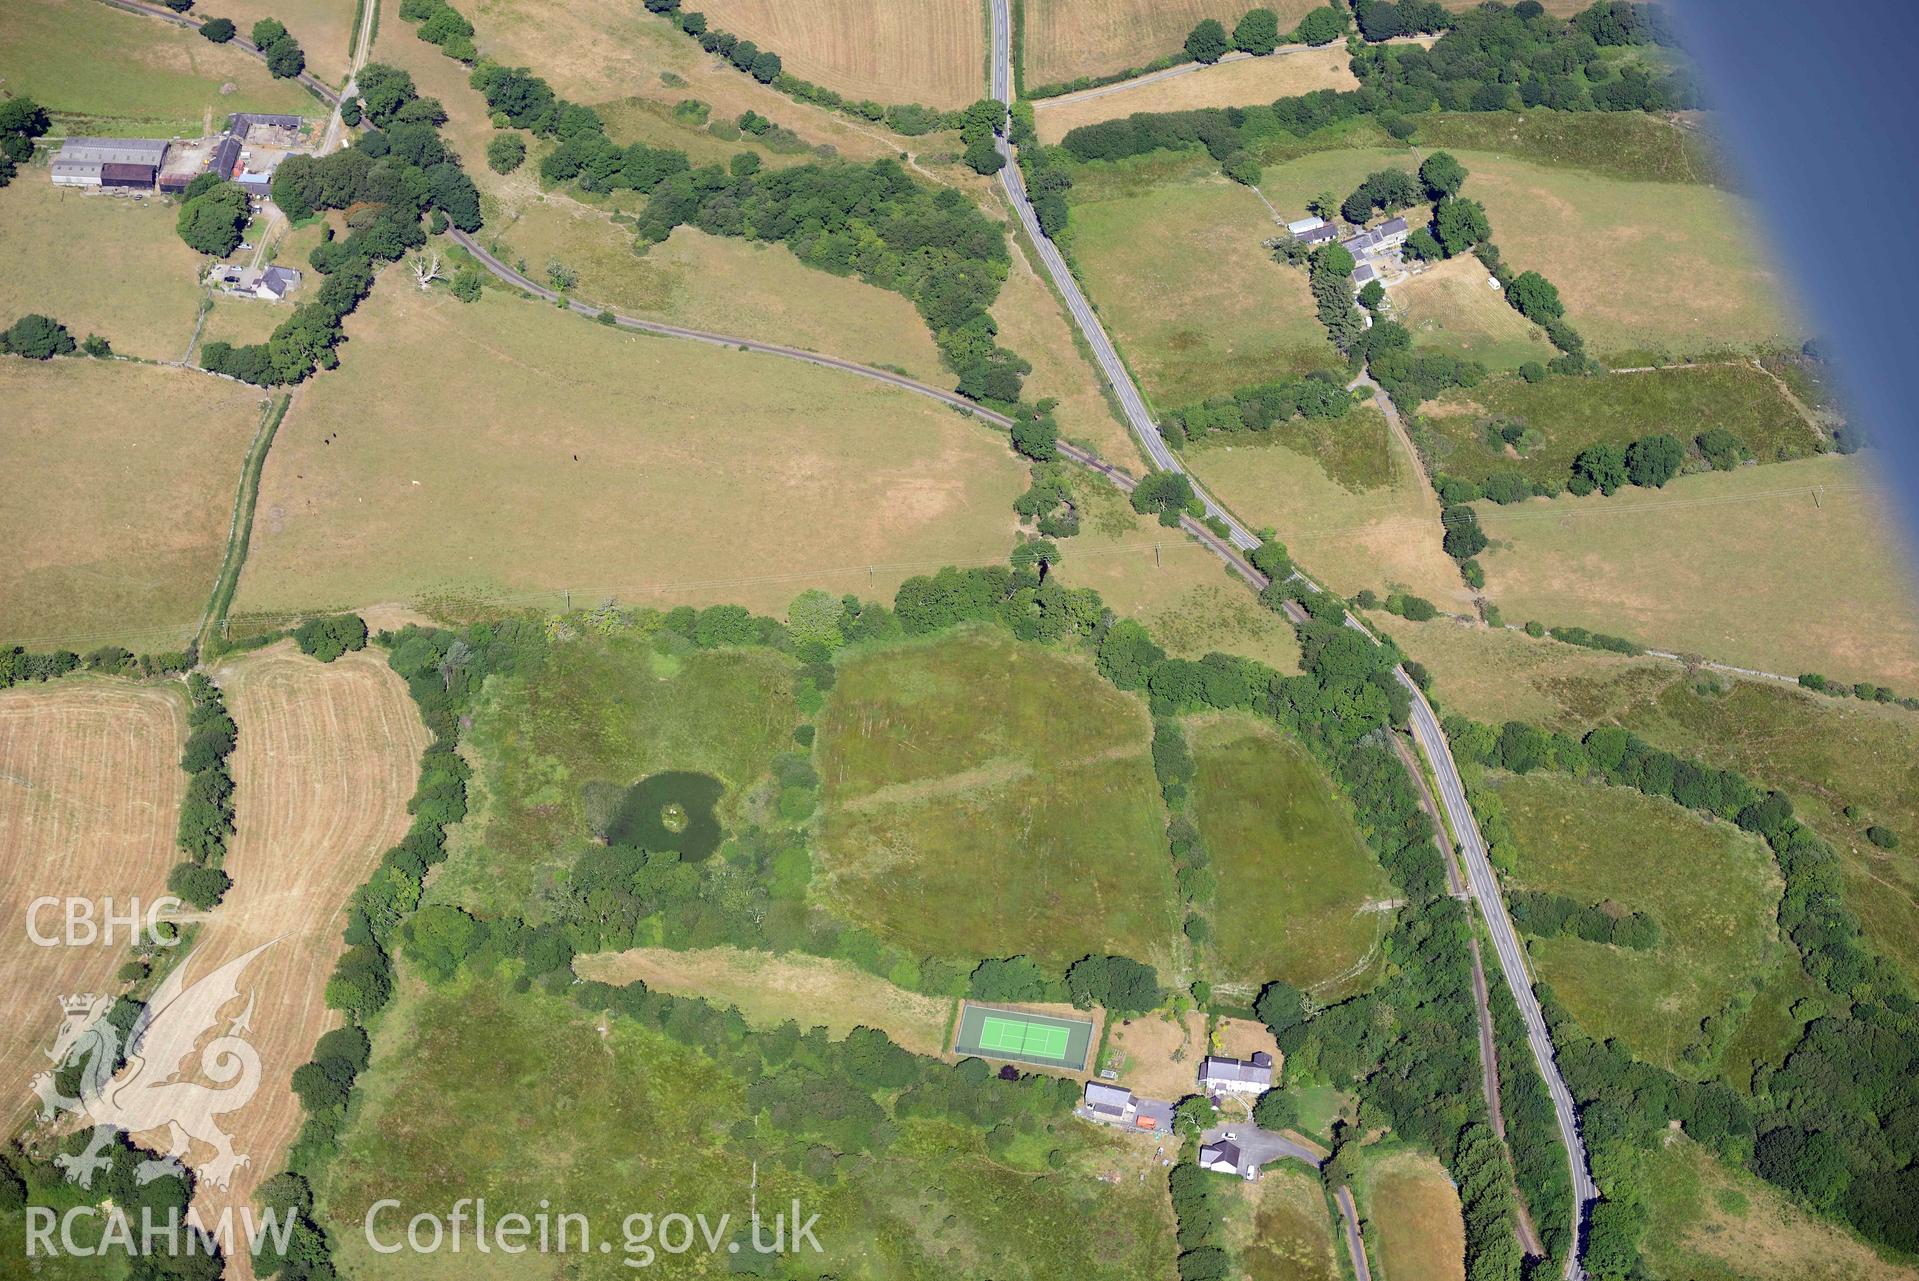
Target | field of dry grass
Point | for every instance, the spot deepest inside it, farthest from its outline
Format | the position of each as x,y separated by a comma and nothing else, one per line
326,761
1615,249
1294,70
90,788
505,449
324,28
1033,323
1170,584
769,989
1065,39
120,535
927,51
631,66
1181,276
103,71
1159,1054
98,264
1449,307
1280,1228
1386,536
1412,1213
1789,567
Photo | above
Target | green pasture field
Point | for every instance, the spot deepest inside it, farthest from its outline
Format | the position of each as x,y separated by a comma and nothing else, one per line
510,451
608,710
1181,277
103,71
1290,183
1016,1036
1627,145
119,534
629,1121
1824,752
1279,1227
1569,414
1799,567
1713,889
1712,1221
1294,874
985,799
1346,497
98,264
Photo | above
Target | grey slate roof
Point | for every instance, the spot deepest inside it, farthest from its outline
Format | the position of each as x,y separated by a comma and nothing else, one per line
123,151
1098,1095
1221,1153
1218,1069
1319,235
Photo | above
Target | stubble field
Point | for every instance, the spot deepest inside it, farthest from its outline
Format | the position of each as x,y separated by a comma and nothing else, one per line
1293,70
326,761
1070,38
90,788
1414,1213
119,537
926,51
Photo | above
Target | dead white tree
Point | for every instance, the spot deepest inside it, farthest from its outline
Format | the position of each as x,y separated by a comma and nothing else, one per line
426,269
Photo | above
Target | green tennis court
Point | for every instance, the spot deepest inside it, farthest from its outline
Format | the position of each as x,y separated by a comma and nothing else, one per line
1023,1036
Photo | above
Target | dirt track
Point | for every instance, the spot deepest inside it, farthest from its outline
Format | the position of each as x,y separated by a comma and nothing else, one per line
328,756
90,788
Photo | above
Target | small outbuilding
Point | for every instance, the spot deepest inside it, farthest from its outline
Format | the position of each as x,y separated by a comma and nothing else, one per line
1223,1157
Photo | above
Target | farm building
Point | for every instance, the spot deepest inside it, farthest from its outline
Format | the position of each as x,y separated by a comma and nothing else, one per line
82,160
283,131
1300,226
1237,1076
1115,1106
271,284
226,157
1386,235
1364,275
1319,235
127,177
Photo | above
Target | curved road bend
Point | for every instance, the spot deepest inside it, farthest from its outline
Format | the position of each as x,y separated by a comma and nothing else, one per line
1426,729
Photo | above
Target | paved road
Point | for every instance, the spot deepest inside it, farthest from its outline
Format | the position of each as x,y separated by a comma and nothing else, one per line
1354,1246
1426,729
1259,1147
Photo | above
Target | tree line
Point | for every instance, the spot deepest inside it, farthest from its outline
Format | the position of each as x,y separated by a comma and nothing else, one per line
37,337
206,813
1318,395
1815,1125
21,121
19,665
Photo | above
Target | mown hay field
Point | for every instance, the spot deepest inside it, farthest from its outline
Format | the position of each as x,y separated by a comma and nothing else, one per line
987,800
120,535
1713,890
1826,753
90,789
607,1117
326,761
1413,1210
509,450
1169,584
1450,307
1297,883
98,264
926,51
1379,529
1794,567
1293,70
1183,280
769,989
103,71
1562,416
1065,39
